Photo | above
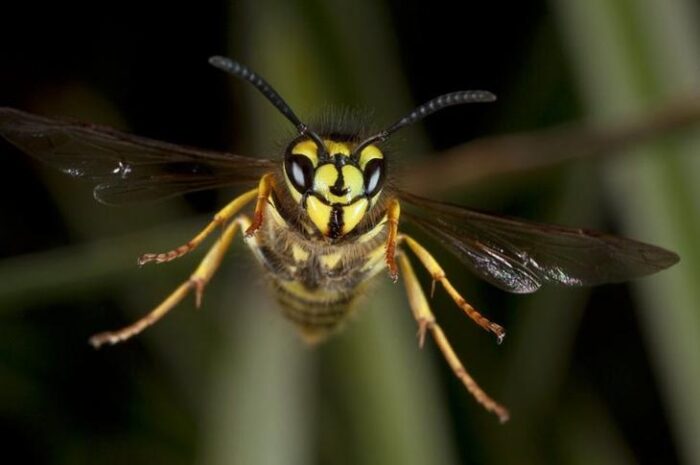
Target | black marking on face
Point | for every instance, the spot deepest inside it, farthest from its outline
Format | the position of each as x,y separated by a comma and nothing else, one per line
339,160
338,188
335,223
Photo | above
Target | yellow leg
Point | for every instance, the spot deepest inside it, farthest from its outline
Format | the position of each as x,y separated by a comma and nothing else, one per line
438,275
426,322
393,212
197,281
220,218
264,190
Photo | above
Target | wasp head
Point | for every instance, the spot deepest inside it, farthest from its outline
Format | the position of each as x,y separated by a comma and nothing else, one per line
336,184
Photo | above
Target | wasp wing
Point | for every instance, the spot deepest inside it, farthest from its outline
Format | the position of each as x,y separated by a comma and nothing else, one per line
519,256
125,167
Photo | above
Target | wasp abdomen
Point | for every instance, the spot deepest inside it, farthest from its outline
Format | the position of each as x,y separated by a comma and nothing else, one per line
314,281
315,313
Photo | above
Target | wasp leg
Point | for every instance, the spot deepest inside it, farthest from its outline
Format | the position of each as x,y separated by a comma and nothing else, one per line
426,322
393,212
197,281
220,218
438,275
264,190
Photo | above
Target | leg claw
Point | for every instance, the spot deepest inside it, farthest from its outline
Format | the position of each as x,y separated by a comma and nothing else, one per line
498,331
145,258
98,340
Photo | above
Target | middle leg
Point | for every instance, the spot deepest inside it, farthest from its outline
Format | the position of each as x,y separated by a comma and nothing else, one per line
438,275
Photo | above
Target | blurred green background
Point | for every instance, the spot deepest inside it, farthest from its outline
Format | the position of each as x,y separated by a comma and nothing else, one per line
609,375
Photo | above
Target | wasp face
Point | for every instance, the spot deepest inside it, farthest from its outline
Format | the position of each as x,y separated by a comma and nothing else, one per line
335,186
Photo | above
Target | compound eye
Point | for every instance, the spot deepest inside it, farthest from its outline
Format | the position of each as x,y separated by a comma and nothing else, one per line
300,172
374,176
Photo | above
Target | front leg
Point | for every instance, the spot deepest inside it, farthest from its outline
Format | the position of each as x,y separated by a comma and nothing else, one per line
264,190
224,215
393,212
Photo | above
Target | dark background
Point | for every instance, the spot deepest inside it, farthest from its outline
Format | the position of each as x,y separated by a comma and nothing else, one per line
231,384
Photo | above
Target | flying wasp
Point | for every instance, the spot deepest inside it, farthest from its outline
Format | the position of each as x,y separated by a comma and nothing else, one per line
325,220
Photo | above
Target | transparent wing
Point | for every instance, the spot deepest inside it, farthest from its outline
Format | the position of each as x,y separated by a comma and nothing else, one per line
519,256
125,167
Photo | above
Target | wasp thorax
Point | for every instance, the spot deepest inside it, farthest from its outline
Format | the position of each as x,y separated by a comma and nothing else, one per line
335,185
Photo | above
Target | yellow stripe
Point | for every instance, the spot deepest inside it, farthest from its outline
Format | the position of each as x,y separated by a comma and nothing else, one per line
334,147
369,153
317,295
307,148
299,254
330,260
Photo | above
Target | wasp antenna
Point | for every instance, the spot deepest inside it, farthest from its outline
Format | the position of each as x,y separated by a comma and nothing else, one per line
233,67
243,72
428,108
438,103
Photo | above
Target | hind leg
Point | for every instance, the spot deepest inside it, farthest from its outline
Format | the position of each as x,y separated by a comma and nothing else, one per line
426,322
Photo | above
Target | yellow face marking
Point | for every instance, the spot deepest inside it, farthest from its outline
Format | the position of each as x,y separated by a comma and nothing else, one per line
324,179
369,153
327,175
334,147
353,180
336,201
320,214
376,197
353,214
295,194
307,148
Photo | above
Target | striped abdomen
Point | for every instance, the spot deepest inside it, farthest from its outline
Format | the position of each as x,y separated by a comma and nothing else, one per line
315,282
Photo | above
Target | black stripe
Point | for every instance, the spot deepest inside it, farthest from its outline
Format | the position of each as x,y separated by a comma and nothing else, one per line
311,313
335,223
323,320
338,188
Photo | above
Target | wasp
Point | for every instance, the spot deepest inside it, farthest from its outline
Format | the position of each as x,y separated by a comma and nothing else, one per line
325,219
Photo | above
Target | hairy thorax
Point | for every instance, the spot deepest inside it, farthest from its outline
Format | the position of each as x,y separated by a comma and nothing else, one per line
315,280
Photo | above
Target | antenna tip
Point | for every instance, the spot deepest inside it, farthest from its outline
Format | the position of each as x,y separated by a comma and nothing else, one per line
486,96
220,62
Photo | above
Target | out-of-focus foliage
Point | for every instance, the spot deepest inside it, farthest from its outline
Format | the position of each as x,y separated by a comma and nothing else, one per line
604,375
